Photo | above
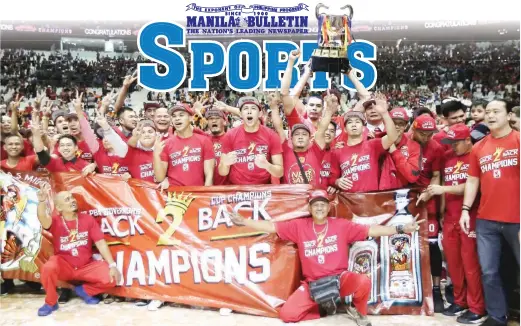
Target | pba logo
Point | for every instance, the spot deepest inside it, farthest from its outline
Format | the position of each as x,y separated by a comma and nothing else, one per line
242,19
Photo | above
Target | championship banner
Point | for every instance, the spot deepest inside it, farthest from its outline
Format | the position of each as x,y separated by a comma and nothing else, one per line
179,246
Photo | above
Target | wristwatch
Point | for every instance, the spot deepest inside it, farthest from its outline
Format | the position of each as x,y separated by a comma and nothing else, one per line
113,265
399,229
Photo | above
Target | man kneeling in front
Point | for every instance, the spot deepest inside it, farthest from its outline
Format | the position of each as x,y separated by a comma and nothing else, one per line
326,276
73,235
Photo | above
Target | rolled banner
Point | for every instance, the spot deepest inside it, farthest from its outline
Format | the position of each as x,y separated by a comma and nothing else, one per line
334,37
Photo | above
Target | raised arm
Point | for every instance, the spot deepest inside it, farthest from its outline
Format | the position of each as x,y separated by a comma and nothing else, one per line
122,95
263,226
273,102
288,100
86,130
42,211
331,108
160,166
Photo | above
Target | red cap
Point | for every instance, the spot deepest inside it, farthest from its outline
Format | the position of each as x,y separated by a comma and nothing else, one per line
248,100
399,113
182,107
300,126
354,114
211,112
425,123
456,132
318,194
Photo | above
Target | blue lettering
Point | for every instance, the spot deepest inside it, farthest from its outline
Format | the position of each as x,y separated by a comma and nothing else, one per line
360,53
148,74
320,80
274,67
252,80
201,68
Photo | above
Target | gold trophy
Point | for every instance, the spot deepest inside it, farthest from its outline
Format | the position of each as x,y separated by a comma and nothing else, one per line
333,39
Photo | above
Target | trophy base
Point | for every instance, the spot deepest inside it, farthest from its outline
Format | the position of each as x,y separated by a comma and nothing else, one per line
330,60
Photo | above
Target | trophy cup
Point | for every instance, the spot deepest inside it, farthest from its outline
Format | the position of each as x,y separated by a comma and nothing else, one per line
333,39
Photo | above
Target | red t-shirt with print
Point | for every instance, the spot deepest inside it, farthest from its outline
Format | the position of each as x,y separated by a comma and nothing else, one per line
495,161
325,257
248,144
310,159
360,163
185,157
75,248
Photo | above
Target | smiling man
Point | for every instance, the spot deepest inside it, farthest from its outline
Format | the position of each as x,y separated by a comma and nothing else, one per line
494,172
323,245
74,235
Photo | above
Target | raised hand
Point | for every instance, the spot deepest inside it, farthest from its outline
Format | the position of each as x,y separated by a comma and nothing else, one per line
129,79
294,55
274,99
43,192
413,226
159,145
381,103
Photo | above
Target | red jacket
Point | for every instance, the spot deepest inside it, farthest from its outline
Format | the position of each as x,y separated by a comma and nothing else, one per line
402,167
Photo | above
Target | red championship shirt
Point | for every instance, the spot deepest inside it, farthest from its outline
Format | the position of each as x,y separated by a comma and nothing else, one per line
185,157
264,141
218,180
359,163
322,256
325,169
495,161
75,247
25,163
109,164
455,172
311,161
58,164
139,163
431,155
83,151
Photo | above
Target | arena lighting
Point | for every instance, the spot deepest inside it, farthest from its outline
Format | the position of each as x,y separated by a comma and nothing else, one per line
360,54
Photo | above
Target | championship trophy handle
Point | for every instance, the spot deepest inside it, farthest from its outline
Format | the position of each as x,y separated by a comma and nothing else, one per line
350,10
320,6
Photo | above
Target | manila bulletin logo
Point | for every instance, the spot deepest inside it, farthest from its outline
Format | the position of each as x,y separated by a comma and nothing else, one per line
242,19
175,207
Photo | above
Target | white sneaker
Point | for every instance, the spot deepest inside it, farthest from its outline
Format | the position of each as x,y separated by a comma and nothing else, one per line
154,305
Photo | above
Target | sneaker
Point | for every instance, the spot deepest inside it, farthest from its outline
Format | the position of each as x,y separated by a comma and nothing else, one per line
80,291
65,296
354,315
493,322
471,318
46,310
438,300
6,287
454,310
154,305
